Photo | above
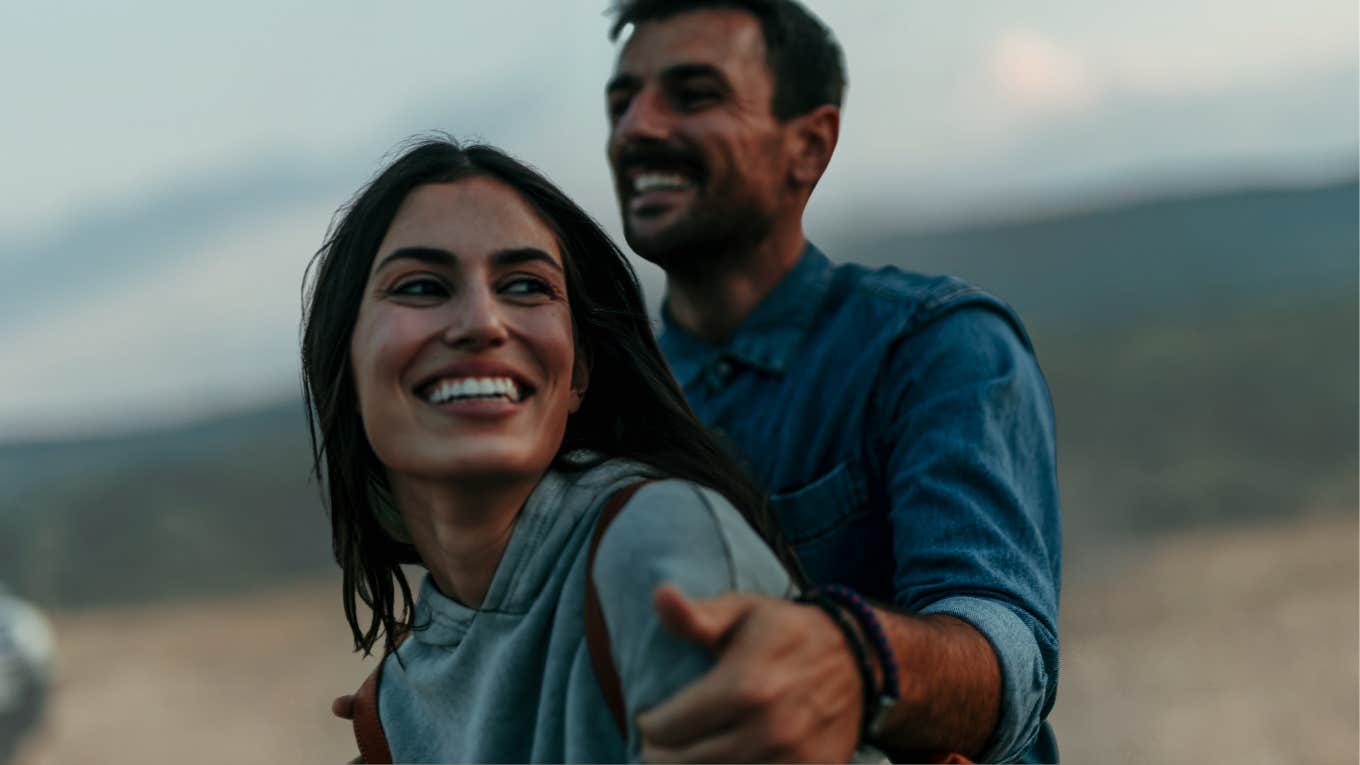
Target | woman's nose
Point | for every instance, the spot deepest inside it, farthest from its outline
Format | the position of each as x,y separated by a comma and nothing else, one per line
475,321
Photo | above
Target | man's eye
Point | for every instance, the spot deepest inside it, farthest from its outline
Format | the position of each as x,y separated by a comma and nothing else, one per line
424,287
692,98
616,107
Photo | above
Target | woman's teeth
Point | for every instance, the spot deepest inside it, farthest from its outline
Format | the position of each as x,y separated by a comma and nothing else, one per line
473,387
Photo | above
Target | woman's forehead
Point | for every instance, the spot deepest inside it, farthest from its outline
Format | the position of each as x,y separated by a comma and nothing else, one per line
473,218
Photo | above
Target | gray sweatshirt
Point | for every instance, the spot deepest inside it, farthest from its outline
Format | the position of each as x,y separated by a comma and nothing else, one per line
512,681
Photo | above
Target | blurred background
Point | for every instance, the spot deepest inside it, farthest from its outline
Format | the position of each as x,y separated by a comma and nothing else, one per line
1166,191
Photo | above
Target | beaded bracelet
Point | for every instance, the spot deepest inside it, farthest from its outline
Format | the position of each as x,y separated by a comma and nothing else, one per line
890,693
847,628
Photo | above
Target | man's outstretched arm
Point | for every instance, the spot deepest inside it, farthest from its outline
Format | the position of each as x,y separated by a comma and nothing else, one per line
787,689
967,428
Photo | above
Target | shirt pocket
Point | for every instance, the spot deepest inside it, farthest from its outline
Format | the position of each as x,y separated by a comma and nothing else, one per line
820,507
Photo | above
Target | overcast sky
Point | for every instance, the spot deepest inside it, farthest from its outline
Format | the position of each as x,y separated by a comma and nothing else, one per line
169,168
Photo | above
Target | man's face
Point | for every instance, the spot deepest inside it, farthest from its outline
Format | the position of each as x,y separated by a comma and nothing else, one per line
698,157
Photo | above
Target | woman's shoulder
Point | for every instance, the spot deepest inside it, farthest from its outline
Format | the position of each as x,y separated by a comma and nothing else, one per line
664,506
592,474
677,529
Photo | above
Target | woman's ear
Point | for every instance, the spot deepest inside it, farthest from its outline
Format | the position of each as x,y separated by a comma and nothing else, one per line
580,380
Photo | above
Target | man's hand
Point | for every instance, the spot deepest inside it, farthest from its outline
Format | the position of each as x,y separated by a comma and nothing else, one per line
785,687
343,707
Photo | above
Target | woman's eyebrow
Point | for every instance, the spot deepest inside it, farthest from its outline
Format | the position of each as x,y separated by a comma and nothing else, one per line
440,257
519,255
432,255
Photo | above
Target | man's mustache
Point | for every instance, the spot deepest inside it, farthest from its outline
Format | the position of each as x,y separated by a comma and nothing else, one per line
659,155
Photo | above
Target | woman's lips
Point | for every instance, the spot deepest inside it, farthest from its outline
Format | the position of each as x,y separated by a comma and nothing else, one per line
479,408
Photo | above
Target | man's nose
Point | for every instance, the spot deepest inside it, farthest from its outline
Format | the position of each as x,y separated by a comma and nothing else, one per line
476,320
646,118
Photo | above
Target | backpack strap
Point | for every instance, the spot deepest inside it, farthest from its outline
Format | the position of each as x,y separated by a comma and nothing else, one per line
368,730
597,636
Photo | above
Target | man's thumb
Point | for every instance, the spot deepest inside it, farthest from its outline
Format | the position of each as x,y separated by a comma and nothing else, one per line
343,707
706,622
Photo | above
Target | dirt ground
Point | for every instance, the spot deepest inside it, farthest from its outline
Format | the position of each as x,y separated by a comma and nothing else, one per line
1229,647
1234,646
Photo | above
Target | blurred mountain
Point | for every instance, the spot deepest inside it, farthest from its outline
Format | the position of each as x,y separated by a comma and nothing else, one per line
210,507
1201,353
1135,263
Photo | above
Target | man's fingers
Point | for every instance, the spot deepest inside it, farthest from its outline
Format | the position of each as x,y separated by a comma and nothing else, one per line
731,745
343,707
706,622
696,711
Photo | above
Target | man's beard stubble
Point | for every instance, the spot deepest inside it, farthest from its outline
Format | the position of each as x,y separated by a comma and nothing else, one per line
704,241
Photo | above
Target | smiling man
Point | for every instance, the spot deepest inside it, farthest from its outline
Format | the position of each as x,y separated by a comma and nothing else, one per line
901,422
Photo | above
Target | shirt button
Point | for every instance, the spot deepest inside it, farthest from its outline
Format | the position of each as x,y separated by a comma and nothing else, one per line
718,375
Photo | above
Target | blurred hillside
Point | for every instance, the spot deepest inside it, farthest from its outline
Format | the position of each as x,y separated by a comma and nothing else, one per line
1201,353
212,507
1174,259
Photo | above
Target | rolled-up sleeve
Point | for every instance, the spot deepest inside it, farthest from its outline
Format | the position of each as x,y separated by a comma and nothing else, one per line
967,424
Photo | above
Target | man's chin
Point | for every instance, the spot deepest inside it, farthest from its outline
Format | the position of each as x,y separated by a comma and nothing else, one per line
689,242
656,240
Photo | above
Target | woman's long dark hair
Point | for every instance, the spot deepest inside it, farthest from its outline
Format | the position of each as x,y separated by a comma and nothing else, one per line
633,408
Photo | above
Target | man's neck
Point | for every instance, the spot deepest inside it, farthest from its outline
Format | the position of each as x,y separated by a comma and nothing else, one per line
711,305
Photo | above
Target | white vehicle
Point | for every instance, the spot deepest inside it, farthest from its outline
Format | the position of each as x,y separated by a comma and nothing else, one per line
27,654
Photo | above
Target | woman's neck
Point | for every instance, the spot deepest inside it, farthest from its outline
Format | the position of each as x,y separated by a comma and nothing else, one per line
461,532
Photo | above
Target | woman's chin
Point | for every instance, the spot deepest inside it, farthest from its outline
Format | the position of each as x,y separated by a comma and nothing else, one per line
485,466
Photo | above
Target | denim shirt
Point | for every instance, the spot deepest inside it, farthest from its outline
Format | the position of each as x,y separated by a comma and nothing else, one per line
905,431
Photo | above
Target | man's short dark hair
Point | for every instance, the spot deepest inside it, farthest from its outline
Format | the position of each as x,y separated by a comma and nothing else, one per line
805,60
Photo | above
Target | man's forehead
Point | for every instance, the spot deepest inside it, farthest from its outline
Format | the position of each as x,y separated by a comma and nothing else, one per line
725,38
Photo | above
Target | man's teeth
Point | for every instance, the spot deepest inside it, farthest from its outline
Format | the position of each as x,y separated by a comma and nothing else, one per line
645,182
474,387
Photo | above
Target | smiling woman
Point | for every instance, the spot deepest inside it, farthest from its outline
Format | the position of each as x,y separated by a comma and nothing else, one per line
463,352
482,380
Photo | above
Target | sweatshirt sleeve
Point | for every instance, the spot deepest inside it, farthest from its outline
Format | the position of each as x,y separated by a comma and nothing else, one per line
689,536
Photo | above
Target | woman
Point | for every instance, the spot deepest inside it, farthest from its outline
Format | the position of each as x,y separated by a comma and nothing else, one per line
482,379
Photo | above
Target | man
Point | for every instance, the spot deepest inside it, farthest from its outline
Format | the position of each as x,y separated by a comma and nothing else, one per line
901,422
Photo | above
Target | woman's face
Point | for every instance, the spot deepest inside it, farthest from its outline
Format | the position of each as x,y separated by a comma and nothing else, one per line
463,353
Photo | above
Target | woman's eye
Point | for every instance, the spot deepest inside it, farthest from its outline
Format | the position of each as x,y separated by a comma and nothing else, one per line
527,286
420,288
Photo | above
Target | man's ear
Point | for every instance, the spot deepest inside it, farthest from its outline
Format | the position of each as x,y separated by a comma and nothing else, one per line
813,139
580,380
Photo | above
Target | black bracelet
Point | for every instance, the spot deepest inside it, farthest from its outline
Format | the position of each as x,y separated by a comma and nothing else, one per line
866,670
890,693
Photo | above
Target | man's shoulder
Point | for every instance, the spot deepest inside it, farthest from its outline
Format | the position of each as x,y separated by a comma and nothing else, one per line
904,302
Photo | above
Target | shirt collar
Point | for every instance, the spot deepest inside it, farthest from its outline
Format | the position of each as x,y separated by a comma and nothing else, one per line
768,337
547,528
519,573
